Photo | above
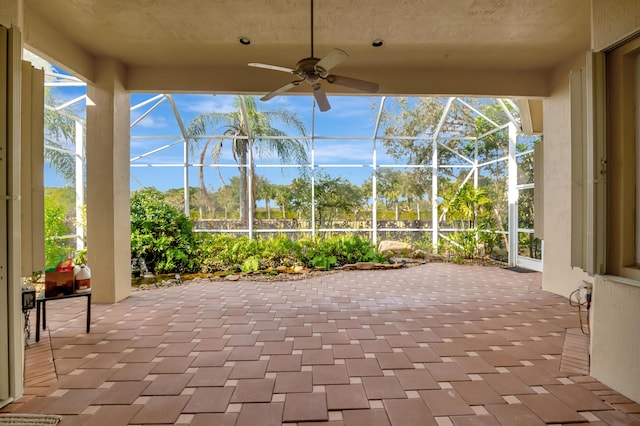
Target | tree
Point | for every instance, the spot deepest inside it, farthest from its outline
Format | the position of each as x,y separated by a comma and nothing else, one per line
226,199
466,205
282,197
388,184
175,198
59,131
394,185
493,176
421,119
335,196
256,138
59,126
265,191
424,116
300,195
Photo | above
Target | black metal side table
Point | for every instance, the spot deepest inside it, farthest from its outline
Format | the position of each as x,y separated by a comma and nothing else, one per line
41,304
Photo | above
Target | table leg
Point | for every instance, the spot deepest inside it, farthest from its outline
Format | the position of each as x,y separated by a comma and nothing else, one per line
44,314
37,320
88,312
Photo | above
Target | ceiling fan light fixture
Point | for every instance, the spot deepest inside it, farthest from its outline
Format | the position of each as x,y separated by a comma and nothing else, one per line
244,41
377,42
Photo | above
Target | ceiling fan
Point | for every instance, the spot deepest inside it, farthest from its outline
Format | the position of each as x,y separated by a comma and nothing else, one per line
313,70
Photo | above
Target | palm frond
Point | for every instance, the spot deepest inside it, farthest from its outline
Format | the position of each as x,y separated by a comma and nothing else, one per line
236,128
61,160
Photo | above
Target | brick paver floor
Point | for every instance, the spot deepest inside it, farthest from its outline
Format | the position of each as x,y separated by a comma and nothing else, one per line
437,344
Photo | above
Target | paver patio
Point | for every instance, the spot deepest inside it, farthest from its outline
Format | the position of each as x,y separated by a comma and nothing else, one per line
437,344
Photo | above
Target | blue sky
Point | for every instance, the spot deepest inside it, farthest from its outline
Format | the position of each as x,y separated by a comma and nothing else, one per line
350,116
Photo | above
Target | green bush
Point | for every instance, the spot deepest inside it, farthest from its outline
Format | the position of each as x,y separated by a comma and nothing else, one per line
221,252
358,249
340,250
425,243
490,240
324,262
164,238
161,235
251,264
460,245
280,251
55,227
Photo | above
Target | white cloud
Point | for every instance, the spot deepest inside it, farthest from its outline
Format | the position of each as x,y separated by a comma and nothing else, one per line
201,104
151,122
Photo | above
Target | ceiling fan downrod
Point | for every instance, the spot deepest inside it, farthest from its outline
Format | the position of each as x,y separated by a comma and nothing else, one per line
311,29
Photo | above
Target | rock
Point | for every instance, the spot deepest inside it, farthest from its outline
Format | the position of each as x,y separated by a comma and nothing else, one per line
232,277
147,278
393,266
365,266
389,246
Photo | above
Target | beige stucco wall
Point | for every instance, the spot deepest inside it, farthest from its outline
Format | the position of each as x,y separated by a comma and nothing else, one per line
11,13
559,277
615,343
615,338
612,21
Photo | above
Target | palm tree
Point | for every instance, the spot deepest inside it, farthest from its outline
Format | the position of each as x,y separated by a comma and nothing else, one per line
281,197
466,204
59,126
266,192
250,136
59,131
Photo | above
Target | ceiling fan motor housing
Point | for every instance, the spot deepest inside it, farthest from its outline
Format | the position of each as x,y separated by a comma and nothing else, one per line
306,68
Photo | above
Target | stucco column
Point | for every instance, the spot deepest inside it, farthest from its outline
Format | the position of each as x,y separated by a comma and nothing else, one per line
108,237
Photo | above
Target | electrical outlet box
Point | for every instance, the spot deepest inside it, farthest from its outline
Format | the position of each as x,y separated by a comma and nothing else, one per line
585,285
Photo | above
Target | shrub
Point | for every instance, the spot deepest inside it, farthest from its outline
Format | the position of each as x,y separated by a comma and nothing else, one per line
55,227
461,245
223,252
160,234
251,264
340,250
490,240
280,251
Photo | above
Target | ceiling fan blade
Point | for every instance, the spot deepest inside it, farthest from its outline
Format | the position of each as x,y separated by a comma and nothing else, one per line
333,58
279,90
270,67
354,83
321,98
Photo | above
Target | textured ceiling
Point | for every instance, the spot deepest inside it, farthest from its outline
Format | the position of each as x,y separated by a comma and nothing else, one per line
507,35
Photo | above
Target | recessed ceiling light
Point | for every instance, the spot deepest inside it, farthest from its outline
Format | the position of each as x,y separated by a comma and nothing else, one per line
377,42
245,40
